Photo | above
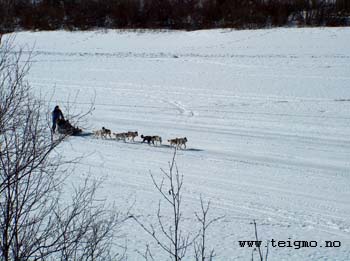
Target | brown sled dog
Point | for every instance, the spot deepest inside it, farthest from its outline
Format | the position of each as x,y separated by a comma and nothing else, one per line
178,142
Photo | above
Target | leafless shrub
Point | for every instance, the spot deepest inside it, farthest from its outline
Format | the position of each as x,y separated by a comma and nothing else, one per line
200,246
171,238
258,248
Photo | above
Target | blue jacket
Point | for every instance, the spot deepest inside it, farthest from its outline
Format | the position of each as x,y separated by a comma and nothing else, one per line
57,114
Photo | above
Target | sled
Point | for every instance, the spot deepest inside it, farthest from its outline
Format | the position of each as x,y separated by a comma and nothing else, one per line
64,127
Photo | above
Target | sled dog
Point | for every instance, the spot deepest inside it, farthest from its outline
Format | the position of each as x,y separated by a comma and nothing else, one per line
106,132
156,140
173,142
178,142
147,139
131,135
120,136
97,133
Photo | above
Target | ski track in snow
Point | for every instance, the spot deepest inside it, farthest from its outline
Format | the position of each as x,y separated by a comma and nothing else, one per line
266,113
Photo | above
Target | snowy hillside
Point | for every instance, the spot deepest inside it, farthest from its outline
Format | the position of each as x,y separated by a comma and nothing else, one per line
266,114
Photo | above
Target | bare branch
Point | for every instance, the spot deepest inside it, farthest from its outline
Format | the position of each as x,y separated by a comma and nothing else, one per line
258,248
200,248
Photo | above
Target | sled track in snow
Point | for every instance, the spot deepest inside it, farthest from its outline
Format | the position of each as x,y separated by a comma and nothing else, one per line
177,55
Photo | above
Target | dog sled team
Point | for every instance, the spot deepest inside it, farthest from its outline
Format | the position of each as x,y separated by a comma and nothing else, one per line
156,140
63,126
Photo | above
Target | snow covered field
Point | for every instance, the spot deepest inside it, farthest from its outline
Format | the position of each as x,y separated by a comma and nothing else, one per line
266,113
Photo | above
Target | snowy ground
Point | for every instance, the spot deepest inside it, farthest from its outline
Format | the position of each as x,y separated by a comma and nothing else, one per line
266,113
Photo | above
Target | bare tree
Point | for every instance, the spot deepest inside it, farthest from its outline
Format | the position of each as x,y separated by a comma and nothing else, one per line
36,221
171,238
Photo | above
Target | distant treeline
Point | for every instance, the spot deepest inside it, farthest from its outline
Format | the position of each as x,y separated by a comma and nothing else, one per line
170,14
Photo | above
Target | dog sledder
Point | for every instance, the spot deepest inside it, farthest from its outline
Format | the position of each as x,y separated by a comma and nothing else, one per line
62,125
